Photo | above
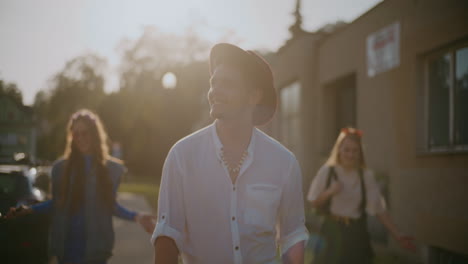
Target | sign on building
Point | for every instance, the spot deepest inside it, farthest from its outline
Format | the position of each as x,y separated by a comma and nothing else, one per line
383,49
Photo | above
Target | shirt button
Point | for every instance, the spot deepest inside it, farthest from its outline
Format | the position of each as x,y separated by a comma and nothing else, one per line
234,188
233,218
236,248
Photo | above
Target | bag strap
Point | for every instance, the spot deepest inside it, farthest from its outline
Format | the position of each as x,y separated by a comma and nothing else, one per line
363,204
331,174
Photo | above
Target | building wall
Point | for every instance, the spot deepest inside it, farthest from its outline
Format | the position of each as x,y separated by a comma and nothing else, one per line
296,62
427,192
426,197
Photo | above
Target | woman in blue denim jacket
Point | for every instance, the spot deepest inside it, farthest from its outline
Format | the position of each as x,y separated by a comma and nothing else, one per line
84,186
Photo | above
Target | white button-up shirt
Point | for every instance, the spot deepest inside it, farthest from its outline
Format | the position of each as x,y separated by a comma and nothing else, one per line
213,220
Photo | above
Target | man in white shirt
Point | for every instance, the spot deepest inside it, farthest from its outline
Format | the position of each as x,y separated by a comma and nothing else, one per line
229,193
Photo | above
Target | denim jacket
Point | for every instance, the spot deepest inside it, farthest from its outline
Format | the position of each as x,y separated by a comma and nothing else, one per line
99,229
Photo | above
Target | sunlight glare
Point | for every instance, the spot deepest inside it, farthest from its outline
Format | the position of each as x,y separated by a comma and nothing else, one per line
169,80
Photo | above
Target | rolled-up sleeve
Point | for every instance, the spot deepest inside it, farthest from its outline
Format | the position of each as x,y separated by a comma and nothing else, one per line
171,212
291,227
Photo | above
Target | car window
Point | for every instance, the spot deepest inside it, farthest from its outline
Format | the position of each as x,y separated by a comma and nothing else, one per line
13,185
7,184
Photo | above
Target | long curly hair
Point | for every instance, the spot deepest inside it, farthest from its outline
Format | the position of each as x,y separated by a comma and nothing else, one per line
75,164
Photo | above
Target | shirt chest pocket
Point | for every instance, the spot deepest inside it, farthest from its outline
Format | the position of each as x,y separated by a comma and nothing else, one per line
262,202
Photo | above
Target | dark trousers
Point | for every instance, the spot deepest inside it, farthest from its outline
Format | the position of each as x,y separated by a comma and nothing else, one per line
343,243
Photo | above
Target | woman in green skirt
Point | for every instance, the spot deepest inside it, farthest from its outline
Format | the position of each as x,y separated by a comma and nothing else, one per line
345,192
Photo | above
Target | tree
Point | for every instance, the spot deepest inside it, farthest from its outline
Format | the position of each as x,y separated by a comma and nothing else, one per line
143,116
79,85
145,60
11,90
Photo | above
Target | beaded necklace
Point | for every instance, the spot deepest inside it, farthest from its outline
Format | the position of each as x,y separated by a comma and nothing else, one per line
237,168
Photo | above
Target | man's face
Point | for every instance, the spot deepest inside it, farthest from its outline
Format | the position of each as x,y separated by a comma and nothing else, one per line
229,96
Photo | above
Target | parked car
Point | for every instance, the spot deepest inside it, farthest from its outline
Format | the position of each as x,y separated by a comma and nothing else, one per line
23,239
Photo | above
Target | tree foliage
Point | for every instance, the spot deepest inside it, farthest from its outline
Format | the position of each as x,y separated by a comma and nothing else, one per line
79,85
142,116
11,90
145,60
154,118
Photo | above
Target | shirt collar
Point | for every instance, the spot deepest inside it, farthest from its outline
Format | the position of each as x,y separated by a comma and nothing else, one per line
250,149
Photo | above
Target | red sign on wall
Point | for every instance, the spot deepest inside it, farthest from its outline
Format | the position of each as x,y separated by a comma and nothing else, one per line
383,50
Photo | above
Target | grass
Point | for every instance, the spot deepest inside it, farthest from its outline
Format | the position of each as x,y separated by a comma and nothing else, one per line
149,190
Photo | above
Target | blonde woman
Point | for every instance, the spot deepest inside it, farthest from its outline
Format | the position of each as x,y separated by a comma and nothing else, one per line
345,191
84,186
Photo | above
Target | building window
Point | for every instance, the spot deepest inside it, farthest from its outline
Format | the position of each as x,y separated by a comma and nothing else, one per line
290,117
447,104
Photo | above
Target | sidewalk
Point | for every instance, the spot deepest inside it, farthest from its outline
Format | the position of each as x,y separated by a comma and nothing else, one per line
132,243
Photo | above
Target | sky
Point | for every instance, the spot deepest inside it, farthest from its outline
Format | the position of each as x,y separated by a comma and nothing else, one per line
39,36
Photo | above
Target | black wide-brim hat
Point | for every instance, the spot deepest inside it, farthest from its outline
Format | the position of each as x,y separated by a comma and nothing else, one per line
256,69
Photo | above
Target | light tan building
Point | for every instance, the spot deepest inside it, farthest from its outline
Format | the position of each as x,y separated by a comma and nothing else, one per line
400,73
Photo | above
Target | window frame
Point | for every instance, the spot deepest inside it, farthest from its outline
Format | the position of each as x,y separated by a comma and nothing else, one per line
452,147
288,117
